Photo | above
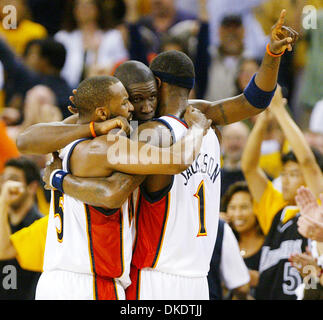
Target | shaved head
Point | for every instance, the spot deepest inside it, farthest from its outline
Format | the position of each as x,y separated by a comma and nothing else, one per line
93,93
141,86
133,72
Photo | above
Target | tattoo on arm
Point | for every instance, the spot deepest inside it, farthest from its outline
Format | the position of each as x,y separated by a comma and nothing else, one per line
224,117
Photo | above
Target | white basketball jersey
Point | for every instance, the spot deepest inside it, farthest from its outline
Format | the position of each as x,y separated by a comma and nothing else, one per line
86,239
176,234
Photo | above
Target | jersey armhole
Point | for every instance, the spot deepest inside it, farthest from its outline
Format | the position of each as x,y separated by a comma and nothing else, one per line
168,126
68,157
104,211
154,197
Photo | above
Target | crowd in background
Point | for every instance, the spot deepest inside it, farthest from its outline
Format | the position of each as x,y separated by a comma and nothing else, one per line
59,43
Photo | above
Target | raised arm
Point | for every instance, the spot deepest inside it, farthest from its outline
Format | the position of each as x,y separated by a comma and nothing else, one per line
43,138
259,92
255,176
312,173
137,47
13,65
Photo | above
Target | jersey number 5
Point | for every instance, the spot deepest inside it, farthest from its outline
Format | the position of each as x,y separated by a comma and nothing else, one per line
200,195
59,214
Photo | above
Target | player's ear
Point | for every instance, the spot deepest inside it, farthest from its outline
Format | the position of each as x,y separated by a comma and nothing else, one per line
72,110
102,113
158,81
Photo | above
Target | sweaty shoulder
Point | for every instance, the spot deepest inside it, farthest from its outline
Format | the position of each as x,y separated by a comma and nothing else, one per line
155,133
88,158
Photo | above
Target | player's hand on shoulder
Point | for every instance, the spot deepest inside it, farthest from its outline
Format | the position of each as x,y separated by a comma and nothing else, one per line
282,37
194,117
121,124
54,164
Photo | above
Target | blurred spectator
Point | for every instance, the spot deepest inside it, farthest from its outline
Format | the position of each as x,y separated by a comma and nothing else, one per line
276,211
310,224
184,36
247,68
223,68
234,139
190,6
86,41
238,205
311,90
48,13
8,147
227,266
316,119
309,264
39,107
26,31
314,133
18,210
49,58
255,40
273,144
162,18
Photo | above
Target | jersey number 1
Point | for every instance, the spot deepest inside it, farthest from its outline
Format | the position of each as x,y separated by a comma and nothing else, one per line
200,195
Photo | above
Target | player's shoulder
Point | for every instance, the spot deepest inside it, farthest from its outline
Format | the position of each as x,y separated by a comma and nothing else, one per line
155,133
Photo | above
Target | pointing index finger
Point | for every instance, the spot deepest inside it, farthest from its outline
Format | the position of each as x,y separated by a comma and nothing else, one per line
281,19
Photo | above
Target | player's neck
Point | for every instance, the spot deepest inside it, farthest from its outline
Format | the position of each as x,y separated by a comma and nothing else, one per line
174,103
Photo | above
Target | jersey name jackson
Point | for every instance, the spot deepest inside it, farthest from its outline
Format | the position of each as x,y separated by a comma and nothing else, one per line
205,164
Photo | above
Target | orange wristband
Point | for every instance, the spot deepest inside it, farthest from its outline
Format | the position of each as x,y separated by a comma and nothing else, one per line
92,129
273,54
